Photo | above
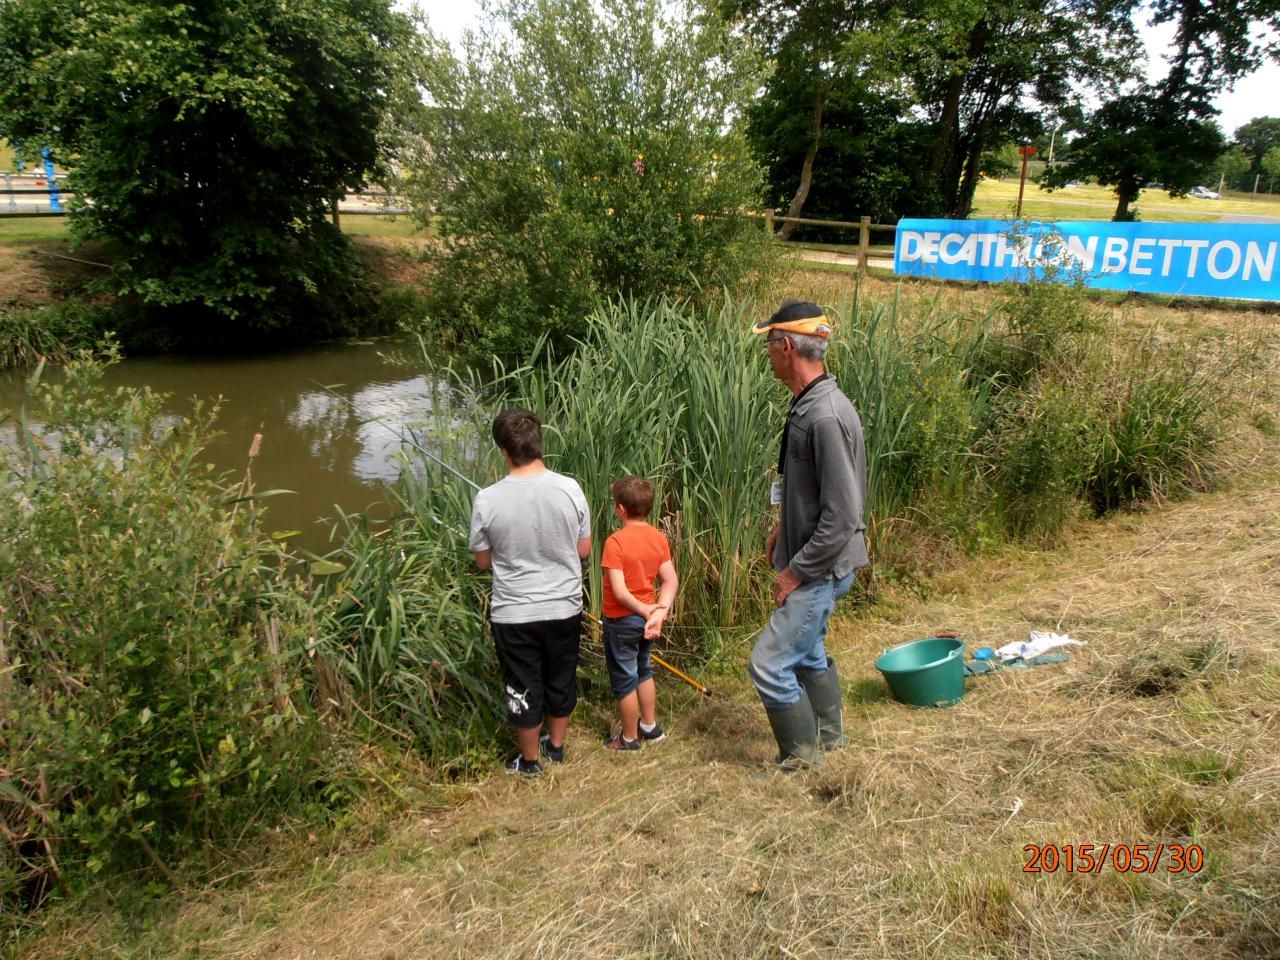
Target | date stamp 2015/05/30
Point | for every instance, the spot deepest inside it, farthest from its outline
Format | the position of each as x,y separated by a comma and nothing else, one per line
1121,857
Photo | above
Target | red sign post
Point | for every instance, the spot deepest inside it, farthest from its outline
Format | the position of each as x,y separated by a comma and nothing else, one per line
1027,153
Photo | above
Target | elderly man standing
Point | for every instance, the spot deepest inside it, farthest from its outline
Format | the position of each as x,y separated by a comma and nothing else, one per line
818,546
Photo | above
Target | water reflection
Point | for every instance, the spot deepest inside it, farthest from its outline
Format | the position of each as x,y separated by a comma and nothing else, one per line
326,447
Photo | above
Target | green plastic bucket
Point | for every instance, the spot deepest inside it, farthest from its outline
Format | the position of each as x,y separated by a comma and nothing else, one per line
925,673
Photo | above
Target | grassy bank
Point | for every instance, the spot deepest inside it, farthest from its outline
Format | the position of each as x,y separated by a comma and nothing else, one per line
996,424
909,844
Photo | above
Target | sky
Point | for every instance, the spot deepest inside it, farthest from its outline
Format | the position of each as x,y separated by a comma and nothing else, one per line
1254,96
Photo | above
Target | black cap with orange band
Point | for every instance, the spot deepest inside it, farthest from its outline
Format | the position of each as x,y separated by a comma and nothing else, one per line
797,316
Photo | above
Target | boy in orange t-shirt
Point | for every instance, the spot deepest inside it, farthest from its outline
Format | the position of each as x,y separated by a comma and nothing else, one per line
633,617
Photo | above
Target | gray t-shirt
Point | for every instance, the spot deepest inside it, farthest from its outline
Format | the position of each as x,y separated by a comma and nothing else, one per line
533,525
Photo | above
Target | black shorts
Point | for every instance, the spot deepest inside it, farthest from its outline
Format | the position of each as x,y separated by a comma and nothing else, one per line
539,667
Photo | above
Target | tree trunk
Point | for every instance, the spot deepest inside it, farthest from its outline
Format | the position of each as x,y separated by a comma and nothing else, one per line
948,164
1126,194
806,171
969,183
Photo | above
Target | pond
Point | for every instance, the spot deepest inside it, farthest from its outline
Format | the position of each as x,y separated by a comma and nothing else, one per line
324,447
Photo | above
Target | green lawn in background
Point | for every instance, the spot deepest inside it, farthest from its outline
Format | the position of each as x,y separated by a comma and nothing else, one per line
402,227
995,199
34,230
41,230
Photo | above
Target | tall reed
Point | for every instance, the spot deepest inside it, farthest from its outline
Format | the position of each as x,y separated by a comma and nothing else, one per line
961,451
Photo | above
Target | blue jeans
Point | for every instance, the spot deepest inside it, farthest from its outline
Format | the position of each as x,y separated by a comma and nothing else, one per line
791,645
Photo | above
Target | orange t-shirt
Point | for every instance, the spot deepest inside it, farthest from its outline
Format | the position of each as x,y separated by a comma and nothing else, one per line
638,550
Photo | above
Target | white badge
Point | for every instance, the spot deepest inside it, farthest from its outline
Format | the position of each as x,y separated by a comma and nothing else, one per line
775,493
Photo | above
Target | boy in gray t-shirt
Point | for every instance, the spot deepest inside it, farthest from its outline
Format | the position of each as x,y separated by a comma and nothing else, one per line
533,529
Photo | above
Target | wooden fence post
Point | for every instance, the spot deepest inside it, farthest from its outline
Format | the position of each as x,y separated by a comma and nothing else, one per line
335,212
864,241
768,222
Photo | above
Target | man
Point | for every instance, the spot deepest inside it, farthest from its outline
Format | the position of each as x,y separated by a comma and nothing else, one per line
533,529
819,544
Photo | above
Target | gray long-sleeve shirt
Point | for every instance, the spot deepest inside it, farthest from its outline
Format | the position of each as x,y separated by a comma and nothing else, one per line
824,487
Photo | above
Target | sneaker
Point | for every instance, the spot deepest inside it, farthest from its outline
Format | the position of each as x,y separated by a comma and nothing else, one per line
656,735
518,764
554,754
620,742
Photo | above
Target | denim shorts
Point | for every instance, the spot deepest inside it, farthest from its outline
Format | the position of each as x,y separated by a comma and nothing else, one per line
626,651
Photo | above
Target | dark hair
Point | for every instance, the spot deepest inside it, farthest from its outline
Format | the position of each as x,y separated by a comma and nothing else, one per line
519,432
634,494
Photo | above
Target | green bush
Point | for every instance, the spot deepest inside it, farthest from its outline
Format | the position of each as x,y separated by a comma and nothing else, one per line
212,141
1042,453
584,152
146,696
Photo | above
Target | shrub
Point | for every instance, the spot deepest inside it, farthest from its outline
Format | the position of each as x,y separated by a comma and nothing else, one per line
586,151
1041,454
146,705
212,141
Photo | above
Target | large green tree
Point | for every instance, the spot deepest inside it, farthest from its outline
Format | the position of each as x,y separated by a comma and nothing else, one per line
1163,131
985,73
208,140
870,161
924,88
832,61
1138,139
586,149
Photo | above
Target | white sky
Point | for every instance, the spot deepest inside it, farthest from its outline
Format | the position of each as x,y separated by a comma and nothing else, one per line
1254,96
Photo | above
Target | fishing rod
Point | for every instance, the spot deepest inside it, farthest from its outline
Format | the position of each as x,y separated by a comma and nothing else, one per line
371,418
706,692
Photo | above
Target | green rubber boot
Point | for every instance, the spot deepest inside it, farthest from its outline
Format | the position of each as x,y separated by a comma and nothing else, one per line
796,731
828,706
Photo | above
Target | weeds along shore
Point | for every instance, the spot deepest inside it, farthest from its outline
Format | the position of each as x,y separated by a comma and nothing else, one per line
173,680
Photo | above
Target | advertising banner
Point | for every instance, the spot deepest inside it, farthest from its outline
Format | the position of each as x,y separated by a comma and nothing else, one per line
1235,260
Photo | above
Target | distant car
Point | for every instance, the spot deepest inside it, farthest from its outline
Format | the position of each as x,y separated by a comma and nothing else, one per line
1203,193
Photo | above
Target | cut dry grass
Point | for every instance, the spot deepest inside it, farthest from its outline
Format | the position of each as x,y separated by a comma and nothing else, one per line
907,844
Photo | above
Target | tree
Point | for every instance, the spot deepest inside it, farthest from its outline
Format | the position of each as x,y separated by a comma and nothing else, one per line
585,150
958,78
1163,132
869,155
986,73
1258,136
1271,162
208,141
1232,166
1135,140
827,55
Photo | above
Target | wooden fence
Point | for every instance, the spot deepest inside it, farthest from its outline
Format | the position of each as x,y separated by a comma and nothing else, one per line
863,225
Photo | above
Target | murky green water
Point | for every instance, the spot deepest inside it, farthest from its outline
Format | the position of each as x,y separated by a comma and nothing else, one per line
312,442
